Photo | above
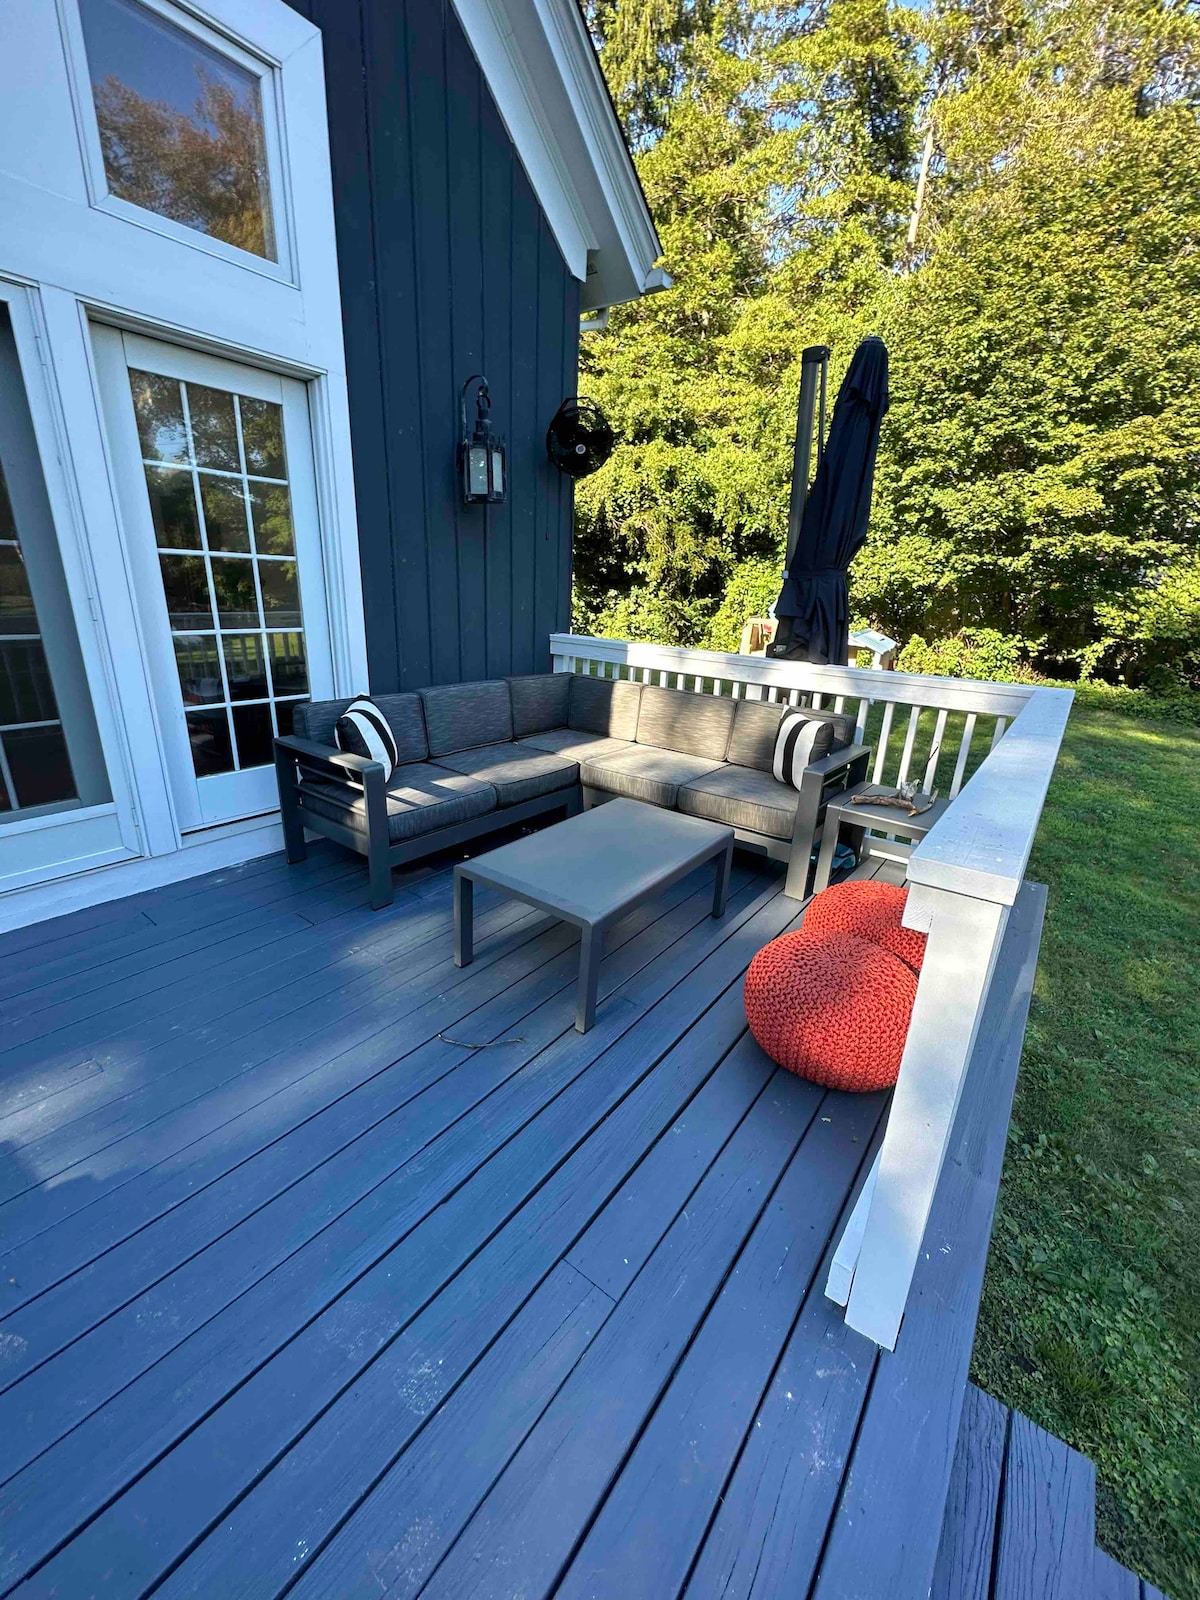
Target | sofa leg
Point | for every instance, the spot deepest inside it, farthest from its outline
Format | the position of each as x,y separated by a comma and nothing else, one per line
808,812
381,878
795,885
289,809
378,843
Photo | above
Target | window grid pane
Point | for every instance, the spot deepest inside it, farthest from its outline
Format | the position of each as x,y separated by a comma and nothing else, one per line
233,599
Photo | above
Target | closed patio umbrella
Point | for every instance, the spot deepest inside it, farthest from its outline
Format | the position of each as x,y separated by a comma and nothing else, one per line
814,606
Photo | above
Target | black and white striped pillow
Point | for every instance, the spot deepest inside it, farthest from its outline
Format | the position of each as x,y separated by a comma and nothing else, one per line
362,730
801,739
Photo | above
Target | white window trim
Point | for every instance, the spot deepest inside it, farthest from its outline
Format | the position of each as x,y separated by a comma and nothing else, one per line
224,41
122,840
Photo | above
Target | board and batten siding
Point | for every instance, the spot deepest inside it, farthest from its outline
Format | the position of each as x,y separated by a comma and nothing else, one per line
448,268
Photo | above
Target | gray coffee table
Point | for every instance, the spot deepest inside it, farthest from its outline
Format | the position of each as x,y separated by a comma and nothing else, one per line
590,870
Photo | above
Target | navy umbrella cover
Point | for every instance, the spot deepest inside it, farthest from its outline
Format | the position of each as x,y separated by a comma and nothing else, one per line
815,595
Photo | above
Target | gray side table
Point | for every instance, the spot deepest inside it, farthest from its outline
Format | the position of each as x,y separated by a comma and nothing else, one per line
840,813
590,870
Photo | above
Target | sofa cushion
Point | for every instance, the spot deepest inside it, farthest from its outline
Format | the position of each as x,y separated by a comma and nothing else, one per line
756,722
516,773
318,719
604,705
752,742
692,724
420,798
645,773
742,797
539,701
463,716
572,744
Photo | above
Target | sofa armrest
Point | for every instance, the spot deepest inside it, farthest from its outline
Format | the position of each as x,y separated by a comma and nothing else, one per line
838,770
337,763
838,760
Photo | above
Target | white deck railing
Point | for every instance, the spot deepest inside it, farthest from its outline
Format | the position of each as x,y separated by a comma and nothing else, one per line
963,877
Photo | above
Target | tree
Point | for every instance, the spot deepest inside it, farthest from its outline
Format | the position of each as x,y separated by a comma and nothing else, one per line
1038,471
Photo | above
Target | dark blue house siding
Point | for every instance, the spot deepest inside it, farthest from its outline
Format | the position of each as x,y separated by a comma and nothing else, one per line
447,268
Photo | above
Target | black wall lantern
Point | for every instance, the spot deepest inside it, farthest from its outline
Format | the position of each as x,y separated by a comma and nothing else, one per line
481,451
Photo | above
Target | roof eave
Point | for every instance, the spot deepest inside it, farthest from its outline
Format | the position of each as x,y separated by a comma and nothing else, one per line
542,70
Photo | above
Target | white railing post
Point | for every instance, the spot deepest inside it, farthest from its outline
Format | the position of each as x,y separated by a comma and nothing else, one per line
964,938
963,878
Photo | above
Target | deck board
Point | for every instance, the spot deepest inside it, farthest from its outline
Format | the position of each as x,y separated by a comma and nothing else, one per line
345,1271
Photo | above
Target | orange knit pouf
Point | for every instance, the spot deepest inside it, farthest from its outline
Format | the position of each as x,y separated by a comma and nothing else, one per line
872,911
832,1009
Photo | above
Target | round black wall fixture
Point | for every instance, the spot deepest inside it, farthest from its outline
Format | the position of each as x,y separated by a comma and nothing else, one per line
579,440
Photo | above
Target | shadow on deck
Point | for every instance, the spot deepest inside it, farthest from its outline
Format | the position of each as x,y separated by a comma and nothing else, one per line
330,1269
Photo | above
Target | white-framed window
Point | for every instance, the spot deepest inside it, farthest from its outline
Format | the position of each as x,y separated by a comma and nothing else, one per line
181,128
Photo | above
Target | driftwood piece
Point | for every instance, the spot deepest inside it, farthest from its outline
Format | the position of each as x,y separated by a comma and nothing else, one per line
914,804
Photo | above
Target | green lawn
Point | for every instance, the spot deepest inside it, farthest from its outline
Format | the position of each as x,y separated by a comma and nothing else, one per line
1091,1313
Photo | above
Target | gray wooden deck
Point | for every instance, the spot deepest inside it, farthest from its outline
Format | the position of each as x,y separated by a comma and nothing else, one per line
1020,1519
330,1269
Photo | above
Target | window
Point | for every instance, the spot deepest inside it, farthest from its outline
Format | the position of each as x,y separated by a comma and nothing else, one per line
217,478
49,748
181,125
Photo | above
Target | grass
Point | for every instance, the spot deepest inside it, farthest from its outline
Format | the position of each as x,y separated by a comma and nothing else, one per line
1090,1321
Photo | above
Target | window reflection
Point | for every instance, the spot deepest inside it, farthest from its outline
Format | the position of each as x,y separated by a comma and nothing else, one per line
181,125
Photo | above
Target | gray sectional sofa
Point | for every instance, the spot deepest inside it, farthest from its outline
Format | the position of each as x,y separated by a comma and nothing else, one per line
476,757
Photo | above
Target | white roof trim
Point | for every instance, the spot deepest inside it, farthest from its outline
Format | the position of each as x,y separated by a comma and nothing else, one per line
543,73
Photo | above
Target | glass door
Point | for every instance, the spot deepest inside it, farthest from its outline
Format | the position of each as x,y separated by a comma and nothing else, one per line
50,757
215,480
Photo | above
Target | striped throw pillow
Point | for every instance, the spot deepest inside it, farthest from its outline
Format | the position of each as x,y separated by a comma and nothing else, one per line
801,739
362,730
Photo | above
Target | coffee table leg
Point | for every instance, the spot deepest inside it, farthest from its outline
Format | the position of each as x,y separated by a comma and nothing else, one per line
591,948
464,900
829,839
721,886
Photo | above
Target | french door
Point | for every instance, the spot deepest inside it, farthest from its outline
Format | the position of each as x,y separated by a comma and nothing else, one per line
216,487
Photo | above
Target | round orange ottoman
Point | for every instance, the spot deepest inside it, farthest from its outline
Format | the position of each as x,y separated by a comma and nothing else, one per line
872,911
832,1009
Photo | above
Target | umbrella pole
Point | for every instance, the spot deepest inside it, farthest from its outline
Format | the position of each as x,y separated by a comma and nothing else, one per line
813,367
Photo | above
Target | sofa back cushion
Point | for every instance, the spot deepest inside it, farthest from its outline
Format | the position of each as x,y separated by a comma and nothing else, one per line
756,722
460,716
604,705
692,724
318,719
539,702
752,742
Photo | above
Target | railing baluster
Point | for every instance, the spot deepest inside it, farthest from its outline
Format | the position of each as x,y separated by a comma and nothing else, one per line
1001,724
910,738
839,704
860,727
885,733
931,766
964,751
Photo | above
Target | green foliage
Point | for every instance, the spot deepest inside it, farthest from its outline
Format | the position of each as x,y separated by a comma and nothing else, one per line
1091,1311
750,591
1038,475
971,653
